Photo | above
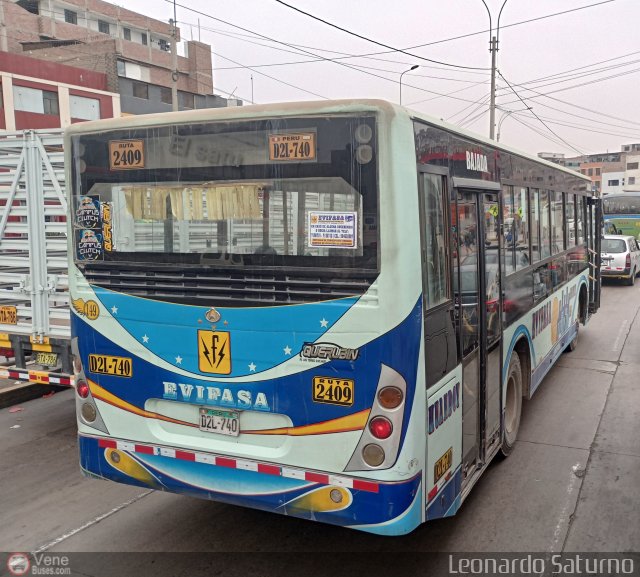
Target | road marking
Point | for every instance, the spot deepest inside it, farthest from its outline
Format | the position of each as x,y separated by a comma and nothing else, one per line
621,330
92,522
564,514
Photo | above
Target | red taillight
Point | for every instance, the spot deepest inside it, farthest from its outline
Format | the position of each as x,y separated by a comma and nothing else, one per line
380,427
627,262
82,389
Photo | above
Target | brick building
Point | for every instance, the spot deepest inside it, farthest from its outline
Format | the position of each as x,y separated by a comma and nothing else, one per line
37,94
133,51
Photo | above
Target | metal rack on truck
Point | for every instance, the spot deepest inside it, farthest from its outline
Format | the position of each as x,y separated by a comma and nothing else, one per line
34,288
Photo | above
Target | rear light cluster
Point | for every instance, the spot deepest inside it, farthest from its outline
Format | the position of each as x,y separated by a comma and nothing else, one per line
627,262
88,410
380,440
381,427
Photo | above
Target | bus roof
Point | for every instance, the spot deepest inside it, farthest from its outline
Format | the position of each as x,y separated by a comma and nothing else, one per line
621,194
296,109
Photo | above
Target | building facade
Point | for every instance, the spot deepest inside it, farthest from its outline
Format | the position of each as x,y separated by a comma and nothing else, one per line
37,94
132,50
613,181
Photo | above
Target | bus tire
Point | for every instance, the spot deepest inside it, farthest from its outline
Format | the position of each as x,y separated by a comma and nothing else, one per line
513,405
574,342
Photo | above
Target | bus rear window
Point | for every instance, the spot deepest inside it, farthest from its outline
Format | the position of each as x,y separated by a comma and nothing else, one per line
293,192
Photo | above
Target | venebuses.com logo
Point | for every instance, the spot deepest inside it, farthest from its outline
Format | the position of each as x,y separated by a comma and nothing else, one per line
20,564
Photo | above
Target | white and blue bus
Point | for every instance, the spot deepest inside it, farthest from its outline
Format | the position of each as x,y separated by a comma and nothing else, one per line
329,310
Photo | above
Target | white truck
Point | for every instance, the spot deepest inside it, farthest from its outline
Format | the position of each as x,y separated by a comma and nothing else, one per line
34,290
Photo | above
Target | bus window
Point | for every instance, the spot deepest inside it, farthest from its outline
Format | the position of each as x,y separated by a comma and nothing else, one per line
510,233
535,225
545,227
521,229
580,219
436,251
557,212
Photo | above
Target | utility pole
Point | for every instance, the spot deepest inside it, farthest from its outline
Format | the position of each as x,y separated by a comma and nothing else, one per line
493,48
174,60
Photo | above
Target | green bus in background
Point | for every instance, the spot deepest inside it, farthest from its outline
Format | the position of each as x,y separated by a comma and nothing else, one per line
622,211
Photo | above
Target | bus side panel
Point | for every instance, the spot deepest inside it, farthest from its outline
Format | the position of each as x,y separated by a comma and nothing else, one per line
443,474
548,328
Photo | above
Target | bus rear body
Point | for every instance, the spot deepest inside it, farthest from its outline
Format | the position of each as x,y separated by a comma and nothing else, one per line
264,311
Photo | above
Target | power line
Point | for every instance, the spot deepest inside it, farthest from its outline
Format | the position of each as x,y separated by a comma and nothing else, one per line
376,42
316,55
274,78
542,94
450,39
539,119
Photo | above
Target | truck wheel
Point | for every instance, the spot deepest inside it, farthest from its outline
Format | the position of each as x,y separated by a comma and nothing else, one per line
632,278
513,405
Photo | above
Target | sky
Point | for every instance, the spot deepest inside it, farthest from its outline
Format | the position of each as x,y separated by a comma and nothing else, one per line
567,82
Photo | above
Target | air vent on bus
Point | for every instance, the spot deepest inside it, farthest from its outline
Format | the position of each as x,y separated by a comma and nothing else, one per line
232,288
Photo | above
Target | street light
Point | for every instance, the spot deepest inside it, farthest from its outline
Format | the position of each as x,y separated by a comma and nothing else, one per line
504,117
401,75
493,48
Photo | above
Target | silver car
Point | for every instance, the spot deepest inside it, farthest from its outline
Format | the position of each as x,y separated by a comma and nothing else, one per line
620,256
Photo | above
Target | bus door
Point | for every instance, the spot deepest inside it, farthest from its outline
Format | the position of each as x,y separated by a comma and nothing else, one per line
594,227
478,298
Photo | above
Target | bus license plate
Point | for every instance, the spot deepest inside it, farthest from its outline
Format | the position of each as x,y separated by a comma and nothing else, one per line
108,365
220,421
48,359
443,464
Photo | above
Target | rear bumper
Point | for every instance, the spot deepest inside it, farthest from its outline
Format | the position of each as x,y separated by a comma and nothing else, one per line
626,273
391,508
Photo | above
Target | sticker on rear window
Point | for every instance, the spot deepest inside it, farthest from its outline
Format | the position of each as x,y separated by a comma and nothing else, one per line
332,229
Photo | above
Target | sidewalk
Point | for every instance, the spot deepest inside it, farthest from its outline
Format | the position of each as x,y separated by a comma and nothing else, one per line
606,514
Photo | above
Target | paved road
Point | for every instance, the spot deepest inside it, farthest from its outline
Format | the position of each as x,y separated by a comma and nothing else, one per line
571,484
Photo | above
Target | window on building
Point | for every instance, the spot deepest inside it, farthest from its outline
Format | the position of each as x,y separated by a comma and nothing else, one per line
141,90
165,95
590,172
613,183
50,102
84,108
35,100
103,27
632,166
632,180
121,67
29,5
143,38
70,16
186,100
126,33
597,172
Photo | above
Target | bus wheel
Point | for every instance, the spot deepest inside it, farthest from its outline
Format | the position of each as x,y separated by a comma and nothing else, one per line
513,405
574,342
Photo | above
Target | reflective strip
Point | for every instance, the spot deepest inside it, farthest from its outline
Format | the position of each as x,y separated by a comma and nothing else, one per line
242,464
39,377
